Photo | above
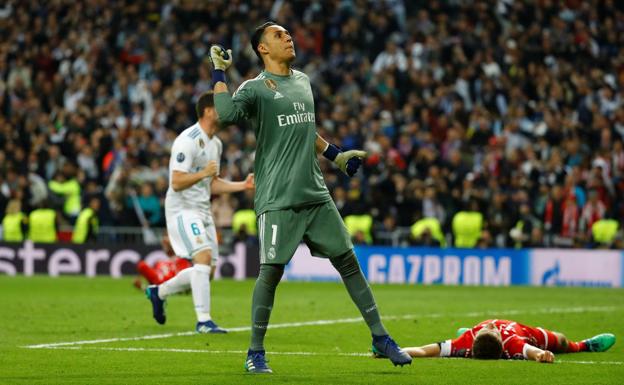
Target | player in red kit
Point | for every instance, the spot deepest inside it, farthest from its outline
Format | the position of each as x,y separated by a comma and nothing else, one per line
162,270
494,339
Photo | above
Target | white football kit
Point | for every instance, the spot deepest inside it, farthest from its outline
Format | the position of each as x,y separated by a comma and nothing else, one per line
189,219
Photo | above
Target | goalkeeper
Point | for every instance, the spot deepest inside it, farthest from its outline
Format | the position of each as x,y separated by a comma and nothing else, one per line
292,202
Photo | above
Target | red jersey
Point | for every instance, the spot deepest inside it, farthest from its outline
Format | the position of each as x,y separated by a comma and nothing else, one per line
516,338
169,268
162,270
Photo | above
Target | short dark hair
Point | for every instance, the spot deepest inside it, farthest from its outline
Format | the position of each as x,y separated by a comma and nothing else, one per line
257,35
487,347
205,100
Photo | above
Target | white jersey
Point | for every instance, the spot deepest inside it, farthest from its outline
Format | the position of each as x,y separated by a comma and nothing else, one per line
190,153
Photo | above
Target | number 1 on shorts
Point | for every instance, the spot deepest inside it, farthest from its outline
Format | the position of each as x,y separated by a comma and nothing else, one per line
274,235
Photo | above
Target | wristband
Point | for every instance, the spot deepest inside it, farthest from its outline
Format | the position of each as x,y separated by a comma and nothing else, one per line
331,152
218,76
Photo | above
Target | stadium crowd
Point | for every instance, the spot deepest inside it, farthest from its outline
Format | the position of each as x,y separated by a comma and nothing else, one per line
509,108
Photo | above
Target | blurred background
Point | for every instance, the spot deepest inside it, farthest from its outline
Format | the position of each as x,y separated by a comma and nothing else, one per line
489,124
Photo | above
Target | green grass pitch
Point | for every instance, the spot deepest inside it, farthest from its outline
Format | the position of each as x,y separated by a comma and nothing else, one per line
42,310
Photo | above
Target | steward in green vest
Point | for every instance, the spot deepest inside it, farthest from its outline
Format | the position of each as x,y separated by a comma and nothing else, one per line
430,226
14,222
467,227
604,232
87,224
244,219
360,225
42,225
69,190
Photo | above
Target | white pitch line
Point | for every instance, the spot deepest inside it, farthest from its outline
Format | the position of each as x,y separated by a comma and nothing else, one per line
336,321
591,362
174,350
177,350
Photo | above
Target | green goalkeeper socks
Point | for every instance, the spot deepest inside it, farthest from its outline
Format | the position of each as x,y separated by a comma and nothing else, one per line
349,269
262,302
359,290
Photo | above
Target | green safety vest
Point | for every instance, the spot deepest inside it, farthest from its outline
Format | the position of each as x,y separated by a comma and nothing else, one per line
42,226
605,230
247,218
71,190
363,223
81,230
519,225
467,228
431,224
12,227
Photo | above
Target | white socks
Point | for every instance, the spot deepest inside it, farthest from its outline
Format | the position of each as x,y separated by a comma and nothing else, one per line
179,283
200,287
197,278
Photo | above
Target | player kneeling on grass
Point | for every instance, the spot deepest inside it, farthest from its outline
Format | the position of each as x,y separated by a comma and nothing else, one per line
495,339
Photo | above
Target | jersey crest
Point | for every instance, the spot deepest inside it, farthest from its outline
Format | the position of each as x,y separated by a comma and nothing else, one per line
270,83
180,158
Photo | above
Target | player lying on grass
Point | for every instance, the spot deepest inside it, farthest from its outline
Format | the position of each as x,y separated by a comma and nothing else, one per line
494,339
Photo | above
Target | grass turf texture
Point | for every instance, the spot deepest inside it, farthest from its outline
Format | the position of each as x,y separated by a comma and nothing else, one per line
42,310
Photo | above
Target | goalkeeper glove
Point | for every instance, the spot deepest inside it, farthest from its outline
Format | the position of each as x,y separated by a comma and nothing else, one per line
221,60
348,162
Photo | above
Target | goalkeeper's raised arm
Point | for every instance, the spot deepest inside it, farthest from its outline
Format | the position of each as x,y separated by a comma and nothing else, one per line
229,109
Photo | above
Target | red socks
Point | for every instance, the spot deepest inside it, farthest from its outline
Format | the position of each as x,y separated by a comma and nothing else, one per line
575,347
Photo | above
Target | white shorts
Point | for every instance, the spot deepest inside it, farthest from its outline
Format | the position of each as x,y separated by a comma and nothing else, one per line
191,232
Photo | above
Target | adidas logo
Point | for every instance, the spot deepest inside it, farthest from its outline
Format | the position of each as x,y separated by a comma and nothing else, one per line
277,95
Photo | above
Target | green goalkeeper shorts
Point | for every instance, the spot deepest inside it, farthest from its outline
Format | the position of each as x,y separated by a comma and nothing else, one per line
319,226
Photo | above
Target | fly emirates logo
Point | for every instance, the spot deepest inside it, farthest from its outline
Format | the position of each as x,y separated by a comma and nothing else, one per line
300,116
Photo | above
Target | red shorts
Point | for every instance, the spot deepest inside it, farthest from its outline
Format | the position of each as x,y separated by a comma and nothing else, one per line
545,339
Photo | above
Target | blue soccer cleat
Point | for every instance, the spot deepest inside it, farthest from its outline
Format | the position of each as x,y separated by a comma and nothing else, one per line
158,305
209,327
600,343
385,347
256,362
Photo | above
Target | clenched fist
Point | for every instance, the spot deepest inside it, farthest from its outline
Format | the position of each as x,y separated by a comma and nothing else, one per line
211,169
220,58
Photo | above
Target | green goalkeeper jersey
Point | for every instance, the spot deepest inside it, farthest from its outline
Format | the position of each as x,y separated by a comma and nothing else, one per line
281,109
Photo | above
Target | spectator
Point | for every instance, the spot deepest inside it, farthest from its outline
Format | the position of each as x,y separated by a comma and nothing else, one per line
593,211
150,205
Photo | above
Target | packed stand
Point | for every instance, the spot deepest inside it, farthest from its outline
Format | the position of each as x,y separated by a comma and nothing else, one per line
510,109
